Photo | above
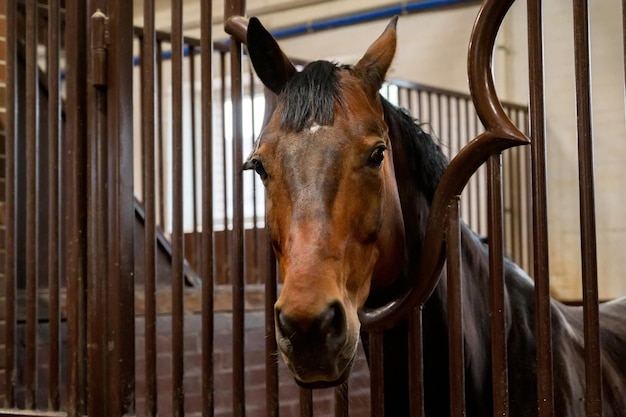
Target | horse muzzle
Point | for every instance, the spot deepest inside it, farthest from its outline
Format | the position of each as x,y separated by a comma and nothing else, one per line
319,351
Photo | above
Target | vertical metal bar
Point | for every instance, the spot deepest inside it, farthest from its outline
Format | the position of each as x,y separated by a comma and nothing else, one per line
624,37
593,397
54,133
416,364
121,215
377,374
73,206
342,400
496,274
237,8
306,402
148,129
160,142
455,311
237,236
97,277
192,130
459,130
440,133
256,254
32,163
226,240
207,253
178,395
271,350
10,201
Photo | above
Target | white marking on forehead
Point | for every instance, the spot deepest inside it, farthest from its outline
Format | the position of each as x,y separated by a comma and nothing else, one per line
314,127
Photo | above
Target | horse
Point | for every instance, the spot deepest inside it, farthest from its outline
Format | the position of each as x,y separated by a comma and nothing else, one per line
349,181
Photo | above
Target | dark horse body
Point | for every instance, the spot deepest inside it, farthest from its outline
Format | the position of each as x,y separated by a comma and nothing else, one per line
347,226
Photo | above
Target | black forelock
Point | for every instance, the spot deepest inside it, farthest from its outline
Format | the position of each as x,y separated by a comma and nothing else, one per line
309,96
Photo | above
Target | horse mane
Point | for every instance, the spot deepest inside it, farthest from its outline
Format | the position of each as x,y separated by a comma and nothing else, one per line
426,160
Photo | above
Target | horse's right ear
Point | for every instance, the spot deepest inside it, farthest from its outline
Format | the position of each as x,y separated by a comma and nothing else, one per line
269,61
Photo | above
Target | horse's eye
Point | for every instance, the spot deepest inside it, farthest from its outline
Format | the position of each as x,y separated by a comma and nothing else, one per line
259,169
376,157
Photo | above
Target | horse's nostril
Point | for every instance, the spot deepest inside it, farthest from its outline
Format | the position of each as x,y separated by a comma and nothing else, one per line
333,324
328,328
286,326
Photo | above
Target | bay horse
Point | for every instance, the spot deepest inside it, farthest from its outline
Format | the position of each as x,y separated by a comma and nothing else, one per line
349,181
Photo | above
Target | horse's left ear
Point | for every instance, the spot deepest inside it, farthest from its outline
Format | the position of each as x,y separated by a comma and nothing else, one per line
375,63
269,61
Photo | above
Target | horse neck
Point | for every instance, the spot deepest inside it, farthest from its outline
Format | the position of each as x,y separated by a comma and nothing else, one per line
474,264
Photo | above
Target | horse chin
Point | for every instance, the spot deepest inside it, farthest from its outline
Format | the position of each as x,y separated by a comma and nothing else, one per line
328,384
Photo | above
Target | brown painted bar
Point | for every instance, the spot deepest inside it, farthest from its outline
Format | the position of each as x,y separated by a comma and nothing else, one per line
455,312
237,253
148,131
416,364
207,253
377,376
74,209
191,56
10,371
121,332
226,243
593,370
271,350
178,394
234,9
32,155
541,264
496,274
54,135
624,35
342,400
306,402
160,142
97,221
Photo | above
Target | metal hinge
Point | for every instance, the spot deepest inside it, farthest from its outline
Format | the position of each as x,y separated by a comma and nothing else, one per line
99,43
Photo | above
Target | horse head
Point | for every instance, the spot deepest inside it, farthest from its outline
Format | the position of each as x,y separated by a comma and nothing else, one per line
333,212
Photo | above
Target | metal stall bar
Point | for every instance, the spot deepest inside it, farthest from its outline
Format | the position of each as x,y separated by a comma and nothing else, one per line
342,400
178,394
148,130
593,369
271,349
73,208
194,155
32,162
624,35
160,142
377,374
455,313
500,131
54,136
97,218
234,9
496,274
541,270
306,402
207,253
416,363
271,293
10,209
